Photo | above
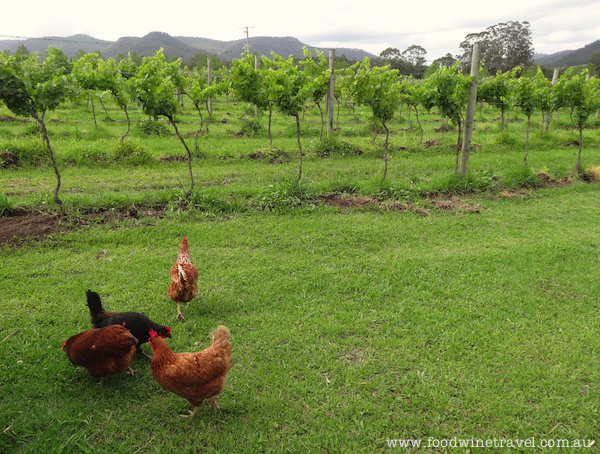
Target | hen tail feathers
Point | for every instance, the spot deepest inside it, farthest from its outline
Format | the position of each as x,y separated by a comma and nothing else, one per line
221,335
94,303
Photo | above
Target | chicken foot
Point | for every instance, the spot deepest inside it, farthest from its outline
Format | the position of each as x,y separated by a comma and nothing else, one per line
213,402
192,413
179,314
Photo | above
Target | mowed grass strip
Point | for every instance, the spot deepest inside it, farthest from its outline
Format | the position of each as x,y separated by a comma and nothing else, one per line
348,329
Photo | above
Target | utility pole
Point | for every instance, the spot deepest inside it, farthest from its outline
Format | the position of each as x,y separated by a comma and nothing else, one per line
247,38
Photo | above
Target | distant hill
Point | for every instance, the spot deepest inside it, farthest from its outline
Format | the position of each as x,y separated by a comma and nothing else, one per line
264,45
187,46
69,45
568,57
149,44
181,46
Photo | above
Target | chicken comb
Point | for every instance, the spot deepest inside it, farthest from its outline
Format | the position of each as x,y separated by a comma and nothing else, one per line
153,333
168,329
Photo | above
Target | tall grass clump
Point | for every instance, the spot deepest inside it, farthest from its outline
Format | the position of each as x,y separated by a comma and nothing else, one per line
275,154
151,127
393,190
287,194
334,146
6,204
88,154
252,128
34,130
211,202
131,151
472,182
520,177
31,152
506,138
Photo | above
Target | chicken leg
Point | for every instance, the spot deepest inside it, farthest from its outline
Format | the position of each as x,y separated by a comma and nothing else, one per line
179,314
192,413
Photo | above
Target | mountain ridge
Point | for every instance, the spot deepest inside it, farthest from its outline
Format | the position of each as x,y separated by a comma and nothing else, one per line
187,46
564,58
181,46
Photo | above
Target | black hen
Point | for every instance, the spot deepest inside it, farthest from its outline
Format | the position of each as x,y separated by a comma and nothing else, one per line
136,322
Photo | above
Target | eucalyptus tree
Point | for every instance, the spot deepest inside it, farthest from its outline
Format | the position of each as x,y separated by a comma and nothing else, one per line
411,61
30,89
503,46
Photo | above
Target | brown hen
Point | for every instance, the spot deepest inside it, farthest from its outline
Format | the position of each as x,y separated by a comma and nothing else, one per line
193,376
184,276
102,351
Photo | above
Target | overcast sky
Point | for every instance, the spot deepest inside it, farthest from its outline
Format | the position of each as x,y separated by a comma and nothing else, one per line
438,26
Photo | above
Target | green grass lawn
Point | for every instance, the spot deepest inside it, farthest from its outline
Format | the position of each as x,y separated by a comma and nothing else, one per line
349,327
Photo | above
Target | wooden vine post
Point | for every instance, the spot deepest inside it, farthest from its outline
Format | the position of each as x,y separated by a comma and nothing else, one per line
256,66
471,108
209,83
330,92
